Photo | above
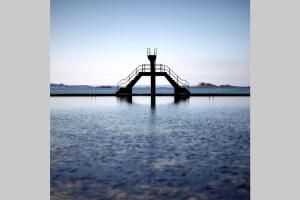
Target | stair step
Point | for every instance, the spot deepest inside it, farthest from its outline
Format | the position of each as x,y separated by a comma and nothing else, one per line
173,80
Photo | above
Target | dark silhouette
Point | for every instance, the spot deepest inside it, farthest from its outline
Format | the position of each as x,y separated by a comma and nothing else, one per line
127,99
124,86
179,99
181,86
152,59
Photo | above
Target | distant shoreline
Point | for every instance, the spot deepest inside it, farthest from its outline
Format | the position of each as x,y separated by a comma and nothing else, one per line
200,85
147,94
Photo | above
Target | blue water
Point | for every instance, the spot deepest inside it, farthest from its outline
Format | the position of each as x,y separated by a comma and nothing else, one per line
139,90
111,148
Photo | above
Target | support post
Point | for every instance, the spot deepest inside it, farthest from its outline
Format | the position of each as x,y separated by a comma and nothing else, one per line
152,59
152,63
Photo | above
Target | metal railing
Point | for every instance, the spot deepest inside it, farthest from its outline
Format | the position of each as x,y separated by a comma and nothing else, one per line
149,51
158,68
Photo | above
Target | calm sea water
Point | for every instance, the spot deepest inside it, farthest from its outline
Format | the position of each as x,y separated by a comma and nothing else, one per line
110,148
139,90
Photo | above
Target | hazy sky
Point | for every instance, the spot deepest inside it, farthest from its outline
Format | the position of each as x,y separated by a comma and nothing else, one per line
99,42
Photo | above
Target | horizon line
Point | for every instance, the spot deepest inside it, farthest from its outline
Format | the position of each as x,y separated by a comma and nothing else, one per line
113,85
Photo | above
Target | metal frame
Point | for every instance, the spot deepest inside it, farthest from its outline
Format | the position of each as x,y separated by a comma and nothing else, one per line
149,51
158,68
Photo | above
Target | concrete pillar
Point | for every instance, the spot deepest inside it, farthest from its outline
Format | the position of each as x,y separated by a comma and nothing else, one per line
152,59
153,85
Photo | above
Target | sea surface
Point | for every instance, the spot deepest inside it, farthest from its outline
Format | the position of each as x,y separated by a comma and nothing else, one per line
111,148
140,90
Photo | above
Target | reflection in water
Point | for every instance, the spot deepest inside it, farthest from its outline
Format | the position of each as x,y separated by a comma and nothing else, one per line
121,148
153,102
152,144
210,98
128,100
179,99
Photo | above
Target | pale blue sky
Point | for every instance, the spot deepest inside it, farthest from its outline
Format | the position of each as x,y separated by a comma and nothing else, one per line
99,42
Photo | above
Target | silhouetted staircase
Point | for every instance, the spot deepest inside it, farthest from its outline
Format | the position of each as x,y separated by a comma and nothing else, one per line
181,86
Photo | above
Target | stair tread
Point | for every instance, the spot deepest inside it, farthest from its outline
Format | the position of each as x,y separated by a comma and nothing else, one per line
170,77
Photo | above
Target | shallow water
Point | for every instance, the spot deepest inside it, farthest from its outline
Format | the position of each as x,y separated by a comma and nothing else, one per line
110,148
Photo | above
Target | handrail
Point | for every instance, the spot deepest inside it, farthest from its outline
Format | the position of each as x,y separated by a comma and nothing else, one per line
160,67
149,51
175,76
132,74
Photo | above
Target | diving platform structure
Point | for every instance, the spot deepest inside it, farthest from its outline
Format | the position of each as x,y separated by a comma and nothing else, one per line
181,86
